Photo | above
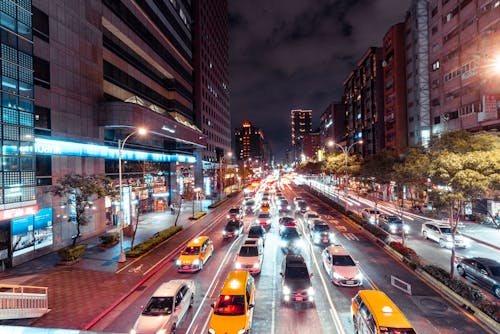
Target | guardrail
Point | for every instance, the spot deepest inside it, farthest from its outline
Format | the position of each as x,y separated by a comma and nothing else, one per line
22,301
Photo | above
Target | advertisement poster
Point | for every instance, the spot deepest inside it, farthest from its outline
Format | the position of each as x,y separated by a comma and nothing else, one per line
32,232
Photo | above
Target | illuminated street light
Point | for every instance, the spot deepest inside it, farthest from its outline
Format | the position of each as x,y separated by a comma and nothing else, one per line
121,145
496,64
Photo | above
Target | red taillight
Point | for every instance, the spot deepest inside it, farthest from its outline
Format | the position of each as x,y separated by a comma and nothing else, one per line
226,298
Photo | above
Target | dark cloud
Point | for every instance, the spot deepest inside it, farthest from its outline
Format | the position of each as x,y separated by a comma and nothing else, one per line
293,54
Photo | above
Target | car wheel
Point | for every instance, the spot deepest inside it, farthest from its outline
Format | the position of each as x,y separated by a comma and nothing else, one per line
424,233
172,330
496,291
442,243
461,271
191,301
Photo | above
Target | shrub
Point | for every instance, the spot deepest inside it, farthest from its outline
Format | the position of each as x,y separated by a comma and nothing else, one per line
216,204
150,243
72,253
199,214
405,251
375,230
109,238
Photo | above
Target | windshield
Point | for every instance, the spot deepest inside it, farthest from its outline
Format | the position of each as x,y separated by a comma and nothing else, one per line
495,271
264,215
284,202
255,231
321,228
159,306
233,224
191,250
343,260
250,203
374,212
312,215
230,305
249,251
290,233
302,204
234,211
385,330
445,230
297,273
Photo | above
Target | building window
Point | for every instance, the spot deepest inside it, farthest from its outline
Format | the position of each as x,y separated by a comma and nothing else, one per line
434,11
435,65
40,24
434,30
41,74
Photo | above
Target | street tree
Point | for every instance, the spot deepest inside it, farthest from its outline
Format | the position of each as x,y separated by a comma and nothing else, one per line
309,167
79,192
411,172
335,164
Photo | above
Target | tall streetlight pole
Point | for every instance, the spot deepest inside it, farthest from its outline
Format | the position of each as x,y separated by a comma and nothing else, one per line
345,150
121,144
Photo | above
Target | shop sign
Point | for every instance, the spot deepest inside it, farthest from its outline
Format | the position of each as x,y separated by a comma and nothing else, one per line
18,212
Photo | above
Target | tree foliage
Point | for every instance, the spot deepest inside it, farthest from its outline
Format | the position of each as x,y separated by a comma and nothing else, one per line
80,191
335,164
310,167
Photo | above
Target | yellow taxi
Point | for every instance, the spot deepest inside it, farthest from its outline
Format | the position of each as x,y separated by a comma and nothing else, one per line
233,310
373,312
195,255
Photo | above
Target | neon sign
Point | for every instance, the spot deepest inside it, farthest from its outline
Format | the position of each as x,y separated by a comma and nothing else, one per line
45,146
18,212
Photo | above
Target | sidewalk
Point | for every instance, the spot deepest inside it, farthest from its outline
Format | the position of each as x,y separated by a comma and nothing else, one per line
80,292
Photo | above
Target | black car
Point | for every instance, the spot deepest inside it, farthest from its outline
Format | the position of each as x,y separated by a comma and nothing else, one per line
301,207
249,207
296,283
484,271
320,233
233,228
235,213
291,241
257,231
392,224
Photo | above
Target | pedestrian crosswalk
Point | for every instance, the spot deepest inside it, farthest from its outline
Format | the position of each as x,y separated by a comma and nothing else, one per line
350,236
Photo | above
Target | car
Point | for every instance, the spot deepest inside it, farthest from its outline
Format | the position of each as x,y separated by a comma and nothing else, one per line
284,205
310,216
291,241
297,199
233,311
235,214
296,280
392,224
195,255
340,267
250,257
442,234
301,207
249,207
233,228
265,207
485,272
286,221
264,220
320,233
370,215
257,231
166,308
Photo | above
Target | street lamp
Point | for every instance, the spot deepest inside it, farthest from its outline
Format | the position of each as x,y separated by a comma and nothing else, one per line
345,150
121,144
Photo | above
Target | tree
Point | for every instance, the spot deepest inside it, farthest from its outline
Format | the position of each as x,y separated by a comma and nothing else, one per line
335,164
79,192
411,171
309,167
465,166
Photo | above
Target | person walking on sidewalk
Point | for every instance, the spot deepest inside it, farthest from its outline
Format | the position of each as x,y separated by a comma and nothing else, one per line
172,209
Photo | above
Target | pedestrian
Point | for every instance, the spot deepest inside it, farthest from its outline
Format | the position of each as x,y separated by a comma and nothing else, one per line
172,209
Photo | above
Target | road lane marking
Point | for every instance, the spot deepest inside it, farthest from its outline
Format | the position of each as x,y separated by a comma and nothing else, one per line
350,236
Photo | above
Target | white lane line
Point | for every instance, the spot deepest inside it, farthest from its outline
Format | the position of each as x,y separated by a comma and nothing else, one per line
212,286
273,304
350,236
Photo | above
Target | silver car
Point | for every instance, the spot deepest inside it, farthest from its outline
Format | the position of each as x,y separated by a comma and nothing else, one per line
441,234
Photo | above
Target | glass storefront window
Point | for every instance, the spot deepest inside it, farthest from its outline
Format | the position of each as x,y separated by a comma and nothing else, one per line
9,85
10,164
10,148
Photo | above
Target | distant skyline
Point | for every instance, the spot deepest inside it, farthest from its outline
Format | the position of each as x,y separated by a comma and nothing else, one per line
295,54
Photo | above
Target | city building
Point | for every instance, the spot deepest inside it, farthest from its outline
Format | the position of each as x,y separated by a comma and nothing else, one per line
394,69
464,41
332,123
249,143
364,104
97,79
211,82
311,145
417,74
301,124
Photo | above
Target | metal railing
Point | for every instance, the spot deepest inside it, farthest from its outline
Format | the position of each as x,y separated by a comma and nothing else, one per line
22,301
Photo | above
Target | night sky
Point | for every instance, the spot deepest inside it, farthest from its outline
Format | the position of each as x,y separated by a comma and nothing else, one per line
295,54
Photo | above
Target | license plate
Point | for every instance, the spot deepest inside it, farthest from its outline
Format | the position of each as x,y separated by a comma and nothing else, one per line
325,240
349,282
185,267
299,298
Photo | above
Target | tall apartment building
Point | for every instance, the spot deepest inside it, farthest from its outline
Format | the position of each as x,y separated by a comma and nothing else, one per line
211,76
417,74
464,39
312,144
332,123
364,103
301,124
249,142
102,69
394,69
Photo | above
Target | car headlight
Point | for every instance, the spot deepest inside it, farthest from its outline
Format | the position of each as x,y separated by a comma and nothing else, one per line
211,331
196,262
242,331
237,265
288,207
286,290
371,219
307,208
310,291
161,331
406,228
331,235
257,221
256,265
178,262
228,216
133,331
359,276
283,243
224,232
300,243
337,275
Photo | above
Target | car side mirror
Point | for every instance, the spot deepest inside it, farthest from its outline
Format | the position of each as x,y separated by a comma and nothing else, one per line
250,306
212,305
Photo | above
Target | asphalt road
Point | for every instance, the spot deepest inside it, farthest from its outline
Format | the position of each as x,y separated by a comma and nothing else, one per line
425,308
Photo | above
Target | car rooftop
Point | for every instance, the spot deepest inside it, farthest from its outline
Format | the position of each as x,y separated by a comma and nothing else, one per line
485,260
170,288
294,259
198,241
337,250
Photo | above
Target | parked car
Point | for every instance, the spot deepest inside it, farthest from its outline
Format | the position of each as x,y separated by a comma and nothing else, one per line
264,220
340,266
233,228
195,255
257,231
235,213
441,233
392,224
370,215
166,308
320,233
484,271
296,283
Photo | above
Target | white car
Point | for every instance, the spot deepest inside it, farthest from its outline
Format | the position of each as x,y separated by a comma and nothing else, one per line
340,266
309,217
370,215
250,256
441,233
166,308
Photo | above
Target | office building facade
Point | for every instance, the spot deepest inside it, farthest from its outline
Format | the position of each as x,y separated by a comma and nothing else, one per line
249,143
301,124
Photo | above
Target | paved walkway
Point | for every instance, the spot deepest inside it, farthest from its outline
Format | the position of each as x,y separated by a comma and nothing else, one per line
80,292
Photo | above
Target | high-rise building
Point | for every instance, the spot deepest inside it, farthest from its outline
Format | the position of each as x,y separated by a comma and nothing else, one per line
332,123
301,124
417,74
364,103
211,76
249,142
97,79
312,144
394,69
464,41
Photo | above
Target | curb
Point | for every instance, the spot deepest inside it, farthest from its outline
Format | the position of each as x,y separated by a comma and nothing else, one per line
481,241
471,308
